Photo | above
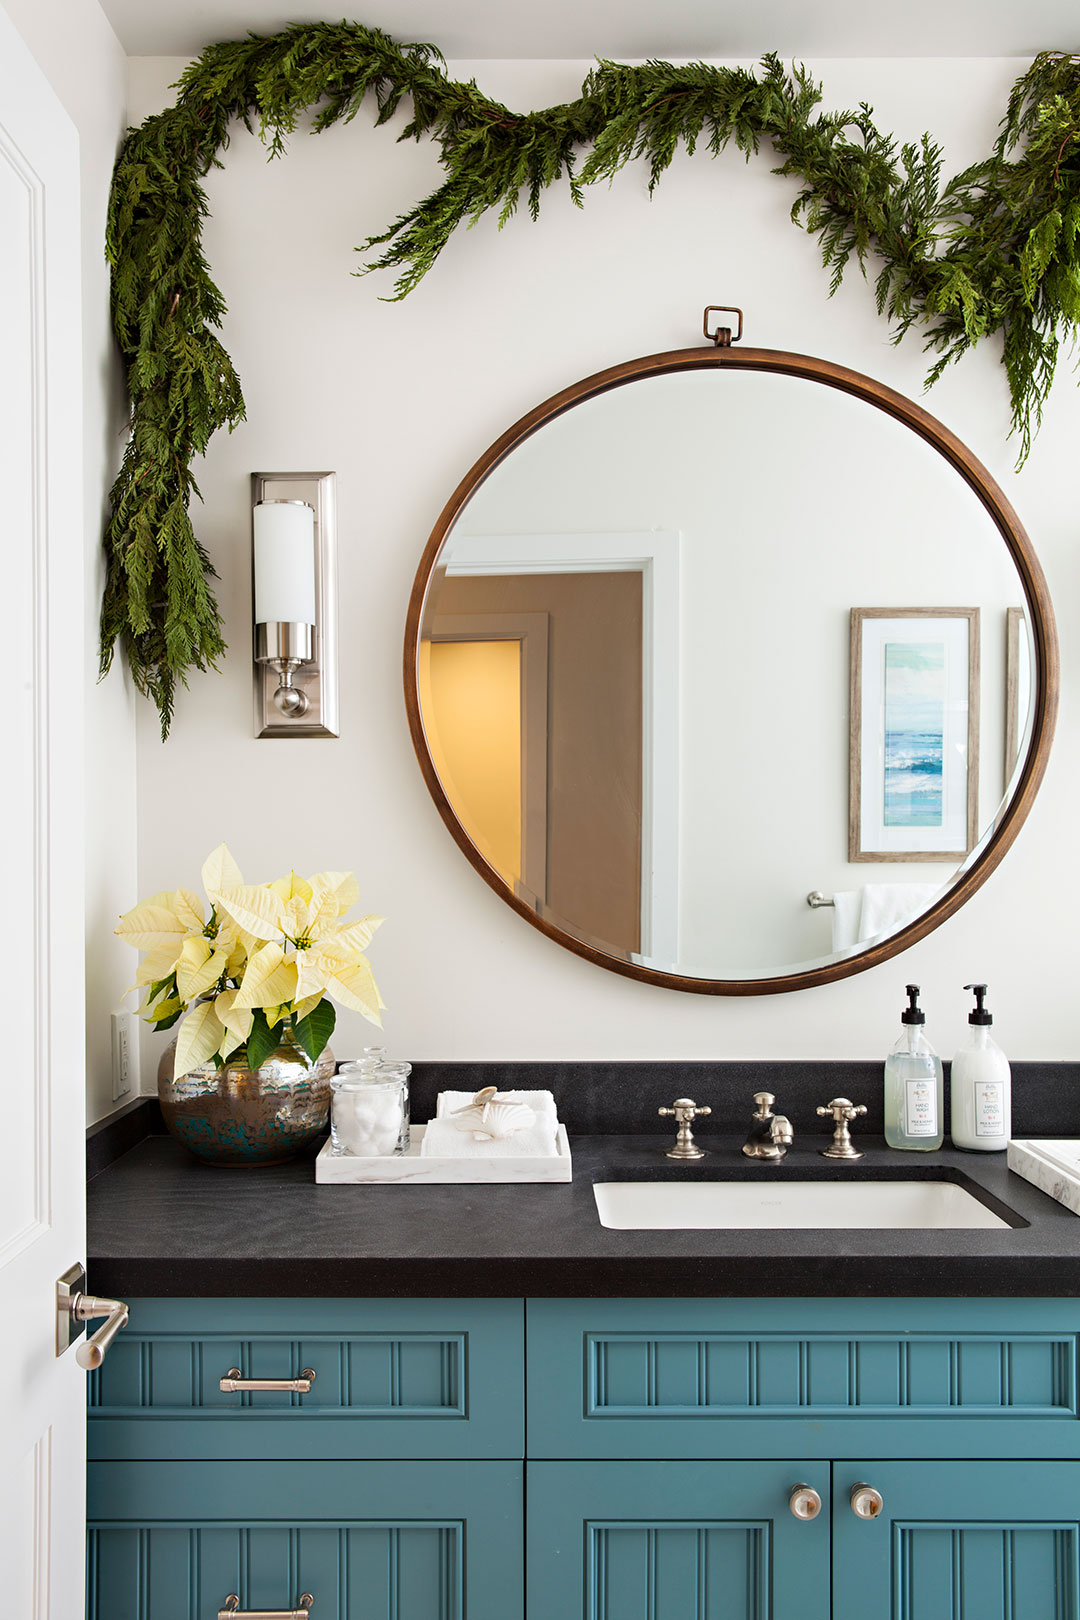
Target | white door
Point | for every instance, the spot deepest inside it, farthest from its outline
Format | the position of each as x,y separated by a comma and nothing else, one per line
42,1198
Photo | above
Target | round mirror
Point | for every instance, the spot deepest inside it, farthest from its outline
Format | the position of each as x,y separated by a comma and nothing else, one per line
731,670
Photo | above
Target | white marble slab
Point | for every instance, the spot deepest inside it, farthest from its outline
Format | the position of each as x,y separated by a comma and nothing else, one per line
398,1169
1052,1164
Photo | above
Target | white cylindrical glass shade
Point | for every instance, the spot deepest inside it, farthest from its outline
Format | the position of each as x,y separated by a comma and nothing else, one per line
284,563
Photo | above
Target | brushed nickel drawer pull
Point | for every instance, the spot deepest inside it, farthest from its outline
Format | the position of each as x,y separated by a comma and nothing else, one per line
232,1382
233,1611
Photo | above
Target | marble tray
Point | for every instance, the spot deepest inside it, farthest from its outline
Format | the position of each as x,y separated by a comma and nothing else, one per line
401,1168
1052,1164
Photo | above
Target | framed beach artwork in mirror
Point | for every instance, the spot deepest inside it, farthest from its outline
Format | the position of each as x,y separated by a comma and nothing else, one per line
914,734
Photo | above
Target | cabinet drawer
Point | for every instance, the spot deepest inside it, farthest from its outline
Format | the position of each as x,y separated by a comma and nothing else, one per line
378,1541
741,1378
393,1378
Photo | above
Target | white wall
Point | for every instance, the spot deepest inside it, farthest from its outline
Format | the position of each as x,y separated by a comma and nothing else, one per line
82,58
400,399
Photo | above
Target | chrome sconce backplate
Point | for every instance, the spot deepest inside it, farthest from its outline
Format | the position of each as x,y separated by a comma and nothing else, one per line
317,675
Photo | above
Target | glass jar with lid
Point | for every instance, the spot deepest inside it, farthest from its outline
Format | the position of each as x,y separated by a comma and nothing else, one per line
369,1112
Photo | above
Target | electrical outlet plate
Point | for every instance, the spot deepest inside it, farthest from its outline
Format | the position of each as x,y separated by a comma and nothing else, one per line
123,1054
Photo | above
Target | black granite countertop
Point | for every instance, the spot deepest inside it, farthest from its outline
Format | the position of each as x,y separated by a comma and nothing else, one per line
160,1223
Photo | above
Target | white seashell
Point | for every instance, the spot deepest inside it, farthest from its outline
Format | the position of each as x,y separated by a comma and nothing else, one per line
491,1120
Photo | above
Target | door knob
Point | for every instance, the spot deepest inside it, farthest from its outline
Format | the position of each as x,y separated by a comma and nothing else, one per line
866,1503
86,1308
804,1502
74,1308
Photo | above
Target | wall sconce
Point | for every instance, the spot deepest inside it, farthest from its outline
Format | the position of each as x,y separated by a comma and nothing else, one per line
294,575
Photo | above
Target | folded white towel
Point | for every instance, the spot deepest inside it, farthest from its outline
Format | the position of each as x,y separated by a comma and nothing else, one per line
542,1103
888,907
443,1140
847,904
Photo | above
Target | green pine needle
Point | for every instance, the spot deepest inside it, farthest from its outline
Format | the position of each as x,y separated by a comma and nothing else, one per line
996,251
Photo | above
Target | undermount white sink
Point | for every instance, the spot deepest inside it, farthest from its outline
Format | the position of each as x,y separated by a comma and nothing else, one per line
674,1206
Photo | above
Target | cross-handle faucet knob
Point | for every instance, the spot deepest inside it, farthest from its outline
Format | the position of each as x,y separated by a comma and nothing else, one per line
842,1111
684,1111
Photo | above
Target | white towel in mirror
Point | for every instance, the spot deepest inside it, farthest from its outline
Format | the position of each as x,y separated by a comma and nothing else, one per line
878,908
888,907
847,904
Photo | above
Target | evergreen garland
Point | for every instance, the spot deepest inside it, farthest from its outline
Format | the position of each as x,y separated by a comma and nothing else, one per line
994,250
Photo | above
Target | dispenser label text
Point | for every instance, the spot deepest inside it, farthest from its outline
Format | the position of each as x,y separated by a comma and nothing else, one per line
989,1108
921,1097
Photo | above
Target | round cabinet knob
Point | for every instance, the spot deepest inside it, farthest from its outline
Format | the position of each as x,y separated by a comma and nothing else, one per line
805,1502
866,1503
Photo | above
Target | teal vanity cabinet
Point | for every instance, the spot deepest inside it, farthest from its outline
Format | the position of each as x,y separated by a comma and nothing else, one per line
647,1461
389,1489
960,1415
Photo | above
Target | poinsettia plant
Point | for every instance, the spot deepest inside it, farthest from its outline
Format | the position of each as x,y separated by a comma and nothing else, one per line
256,965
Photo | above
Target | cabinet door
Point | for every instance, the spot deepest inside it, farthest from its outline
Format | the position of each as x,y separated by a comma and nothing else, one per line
675,1541
958,1541
379,1541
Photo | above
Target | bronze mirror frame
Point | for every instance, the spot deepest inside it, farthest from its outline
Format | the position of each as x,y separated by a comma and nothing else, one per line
992,497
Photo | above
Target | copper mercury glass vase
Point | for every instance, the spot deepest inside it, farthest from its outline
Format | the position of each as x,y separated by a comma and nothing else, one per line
240,1116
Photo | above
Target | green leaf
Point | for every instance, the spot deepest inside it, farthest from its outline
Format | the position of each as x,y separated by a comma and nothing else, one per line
170,1020
262,1040
313,1032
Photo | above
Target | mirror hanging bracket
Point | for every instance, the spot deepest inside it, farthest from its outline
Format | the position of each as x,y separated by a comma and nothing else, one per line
722,336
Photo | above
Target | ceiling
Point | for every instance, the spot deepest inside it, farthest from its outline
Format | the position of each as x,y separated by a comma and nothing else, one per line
631,28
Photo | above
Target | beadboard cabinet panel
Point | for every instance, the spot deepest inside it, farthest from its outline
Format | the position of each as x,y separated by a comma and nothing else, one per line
393,1378
663,1440
959,1541
821,1378
379,1541
675,1541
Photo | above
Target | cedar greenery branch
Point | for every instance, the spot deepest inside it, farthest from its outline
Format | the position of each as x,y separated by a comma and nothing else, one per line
995,251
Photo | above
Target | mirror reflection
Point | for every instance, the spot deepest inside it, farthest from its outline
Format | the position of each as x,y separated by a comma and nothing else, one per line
714,642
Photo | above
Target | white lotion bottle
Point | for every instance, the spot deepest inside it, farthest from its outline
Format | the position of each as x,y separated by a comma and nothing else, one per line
914,1085
981,1086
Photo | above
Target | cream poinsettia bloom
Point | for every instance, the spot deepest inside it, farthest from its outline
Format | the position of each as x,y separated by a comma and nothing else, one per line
258,965
307,952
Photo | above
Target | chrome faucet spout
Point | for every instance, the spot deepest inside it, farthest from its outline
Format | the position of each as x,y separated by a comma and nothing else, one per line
770,1134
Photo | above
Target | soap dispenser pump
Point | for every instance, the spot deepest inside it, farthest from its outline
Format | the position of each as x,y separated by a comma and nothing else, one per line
913,1085
981,1086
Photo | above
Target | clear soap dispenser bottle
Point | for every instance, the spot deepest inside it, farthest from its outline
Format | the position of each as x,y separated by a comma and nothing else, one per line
913,1085
981,1086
